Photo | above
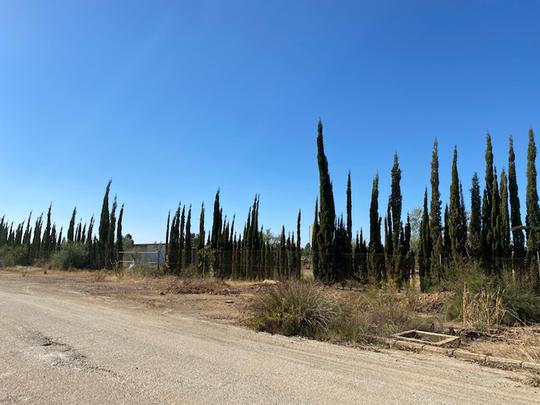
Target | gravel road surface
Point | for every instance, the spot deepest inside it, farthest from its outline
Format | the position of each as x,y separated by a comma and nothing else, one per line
65,347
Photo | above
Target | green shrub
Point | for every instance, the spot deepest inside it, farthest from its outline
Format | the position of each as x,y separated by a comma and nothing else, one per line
522,305
14,256
511,302
72,255
293,308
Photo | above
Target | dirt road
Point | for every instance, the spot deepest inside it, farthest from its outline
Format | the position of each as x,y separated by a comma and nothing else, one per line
64,346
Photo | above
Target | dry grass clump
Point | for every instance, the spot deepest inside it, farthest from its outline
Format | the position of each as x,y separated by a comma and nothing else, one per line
208,285
293,308
482,311
99,276
308,309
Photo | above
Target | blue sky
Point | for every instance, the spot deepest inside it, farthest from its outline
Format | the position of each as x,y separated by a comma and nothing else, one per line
174,99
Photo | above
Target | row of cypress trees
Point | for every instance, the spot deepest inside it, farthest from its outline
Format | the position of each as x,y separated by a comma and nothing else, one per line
31,244
250,254
337,256
491,235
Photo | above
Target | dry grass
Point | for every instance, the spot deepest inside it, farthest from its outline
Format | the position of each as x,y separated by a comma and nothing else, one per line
99,276
293,308
308,309
208,285
482,311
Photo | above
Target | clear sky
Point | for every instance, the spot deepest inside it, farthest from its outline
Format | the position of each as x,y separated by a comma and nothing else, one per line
173,99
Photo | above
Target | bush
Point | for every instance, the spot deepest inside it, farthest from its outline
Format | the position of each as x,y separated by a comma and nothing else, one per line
293,308
72,255
14,256
490,302
306,309
522,305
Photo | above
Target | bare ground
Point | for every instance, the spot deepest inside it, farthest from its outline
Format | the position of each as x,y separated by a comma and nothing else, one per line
87,338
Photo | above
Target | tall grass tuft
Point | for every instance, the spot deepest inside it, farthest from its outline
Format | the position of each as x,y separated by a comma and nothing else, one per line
294,308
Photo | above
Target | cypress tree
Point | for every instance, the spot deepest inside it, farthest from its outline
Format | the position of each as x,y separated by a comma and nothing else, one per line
298,246
475,225
435,217
59,243
454,225
47,245
395,203
349,208
447,243
375,246
463,226
188,241
167,235
110,251
71,228
342,268
201,229
518,239
505,216
172,258
181,242
103,235
119,236
388,245
53,238
495,233
533,211
424,248
327,214
217,223
487,206
314,242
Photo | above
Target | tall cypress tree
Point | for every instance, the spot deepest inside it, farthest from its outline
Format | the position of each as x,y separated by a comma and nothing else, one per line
395,203
495,232
475,225
487,206
424,248
167,235
349,208
435,217
327,214
298,246
315,243
447,243
119,236
505,216
47,245
518,239
217,223
201,229
110,247
188,242
71,228
103,233
455,212
533,210
375,247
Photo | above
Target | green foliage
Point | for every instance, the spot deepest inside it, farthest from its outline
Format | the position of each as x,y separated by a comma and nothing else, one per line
71,256
521,304
518,239
327,215
14,256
